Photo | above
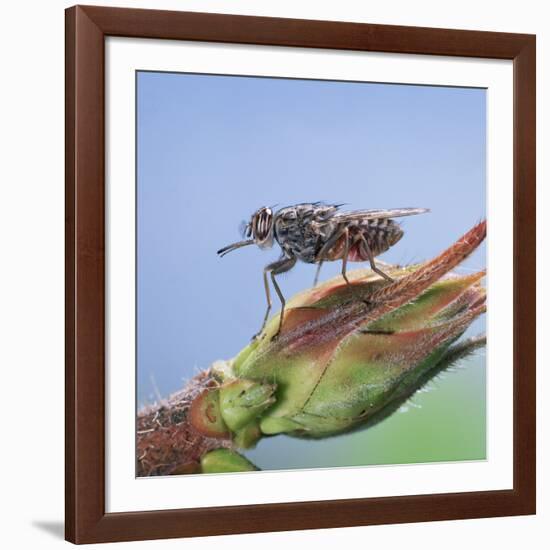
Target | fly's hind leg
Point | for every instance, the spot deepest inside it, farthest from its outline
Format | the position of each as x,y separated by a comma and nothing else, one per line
280,266
370,257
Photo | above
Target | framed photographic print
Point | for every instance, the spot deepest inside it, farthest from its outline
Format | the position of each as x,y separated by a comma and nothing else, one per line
300,262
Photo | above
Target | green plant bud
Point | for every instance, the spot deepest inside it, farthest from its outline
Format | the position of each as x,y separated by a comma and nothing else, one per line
242,401
248,436
278,424
222,461
345,352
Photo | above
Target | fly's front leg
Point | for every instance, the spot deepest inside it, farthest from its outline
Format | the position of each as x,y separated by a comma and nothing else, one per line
268,298
277,268
370,257
274,268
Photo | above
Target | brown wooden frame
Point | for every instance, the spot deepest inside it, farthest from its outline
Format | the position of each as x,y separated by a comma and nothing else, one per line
86,29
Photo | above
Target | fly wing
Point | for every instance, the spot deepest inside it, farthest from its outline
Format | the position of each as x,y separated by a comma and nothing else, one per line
378,214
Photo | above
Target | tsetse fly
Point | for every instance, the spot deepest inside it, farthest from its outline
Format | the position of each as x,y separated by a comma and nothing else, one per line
315,233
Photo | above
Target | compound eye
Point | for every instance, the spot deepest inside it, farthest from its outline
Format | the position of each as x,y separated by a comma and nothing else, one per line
263,224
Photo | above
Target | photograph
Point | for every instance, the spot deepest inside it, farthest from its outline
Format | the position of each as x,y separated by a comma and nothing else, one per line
287,275
310,273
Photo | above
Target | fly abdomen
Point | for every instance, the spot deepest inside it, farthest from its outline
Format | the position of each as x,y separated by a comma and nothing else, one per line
381,234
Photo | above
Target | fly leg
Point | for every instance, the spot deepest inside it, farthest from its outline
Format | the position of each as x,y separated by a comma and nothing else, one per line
277,268
280,266
268,298
345,256
370,257
316,280
332,240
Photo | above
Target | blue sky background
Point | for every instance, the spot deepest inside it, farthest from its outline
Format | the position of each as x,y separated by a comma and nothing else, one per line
212,149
